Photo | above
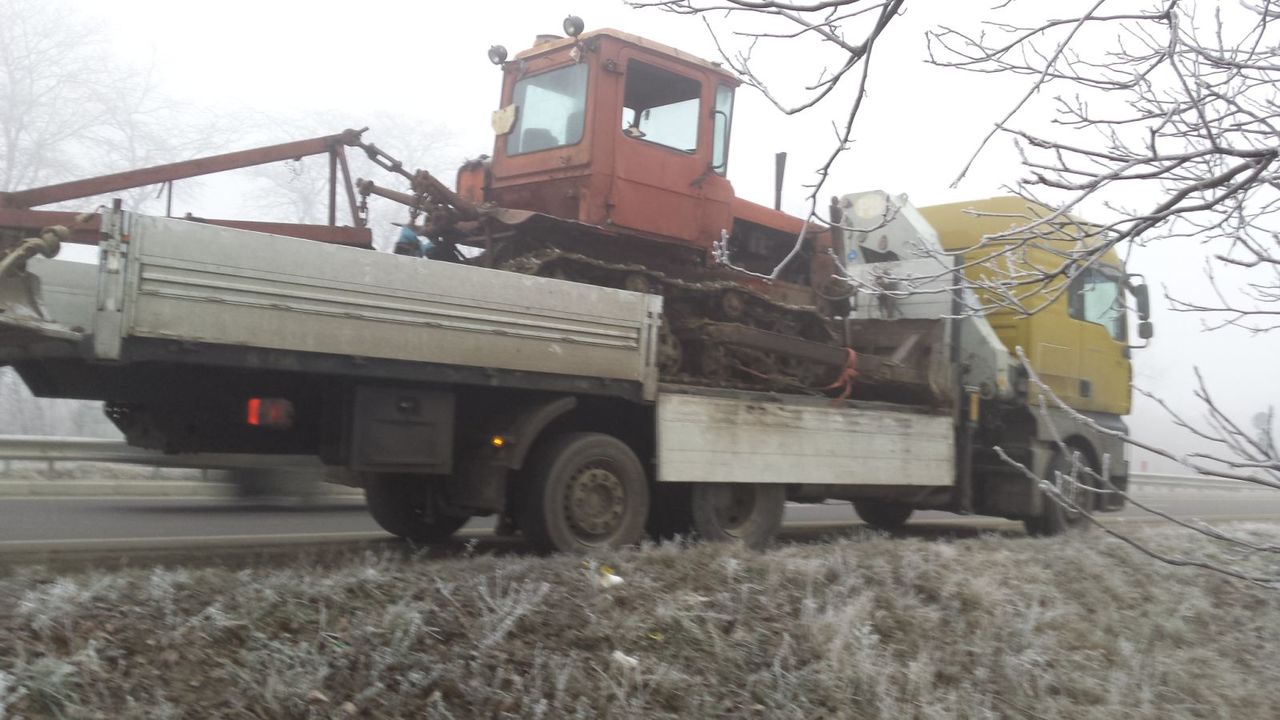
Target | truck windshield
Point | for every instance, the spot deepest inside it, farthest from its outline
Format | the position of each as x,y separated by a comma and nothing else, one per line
1098,297
551,107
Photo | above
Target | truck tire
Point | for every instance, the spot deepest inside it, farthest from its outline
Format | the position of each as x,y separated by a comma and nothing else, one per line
402,505
585,491
883,514
747,513
1055,519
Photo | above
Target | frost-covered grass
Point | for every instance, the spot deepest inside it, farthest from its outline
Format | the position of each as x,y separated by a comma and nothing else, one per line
863,627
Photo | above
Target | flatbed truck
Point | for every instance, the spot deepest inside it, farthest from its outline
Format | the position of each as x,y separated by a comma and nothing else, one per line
448,391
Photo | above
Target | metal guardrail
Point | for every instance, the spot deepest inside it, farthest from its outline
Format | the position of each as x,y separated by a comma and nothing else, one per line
1166,481
63,449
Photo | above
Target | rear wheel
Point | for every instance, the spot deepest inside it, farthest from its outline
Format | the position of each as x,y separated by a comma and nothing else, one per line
748,513
1054,518
586,491
407,506
883,514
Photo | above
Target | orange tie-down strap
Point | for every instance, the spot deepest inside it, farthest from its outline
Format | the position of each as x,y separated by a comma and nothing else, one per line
845,380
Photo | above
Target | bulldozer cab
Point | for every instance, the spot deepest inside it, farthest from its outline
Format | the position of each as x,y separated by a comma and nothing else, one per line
619,132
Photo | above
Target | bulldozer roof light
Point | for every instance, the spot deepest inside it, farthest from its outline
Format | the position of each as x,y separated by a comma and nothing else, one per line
573,26
497,54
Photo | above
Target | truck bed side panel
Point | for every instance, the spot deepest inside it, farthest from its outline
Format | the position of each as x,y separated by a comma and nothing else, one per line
207,284
718,439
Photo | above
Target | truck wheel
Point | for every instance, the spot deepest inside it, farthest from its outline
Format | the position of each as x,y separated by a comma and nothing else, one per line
403,505
883,514
748,513
1055,519
586,491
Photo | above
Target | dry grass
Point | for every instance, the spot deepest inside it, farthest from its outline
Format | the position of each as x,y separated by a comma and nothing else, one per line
864,627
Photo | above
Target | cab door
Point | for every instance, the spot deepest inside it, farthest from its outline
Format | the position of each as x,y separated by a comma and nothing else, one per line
1096,303
1055,352
663,180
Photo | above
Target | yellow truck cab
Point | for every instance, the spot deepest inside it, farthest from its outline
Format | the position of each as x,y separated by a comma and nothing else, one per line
1075,334
1037,289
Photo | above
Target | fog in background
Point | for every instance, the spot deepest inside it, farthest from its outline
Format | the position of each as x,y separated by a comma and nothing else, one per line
237,74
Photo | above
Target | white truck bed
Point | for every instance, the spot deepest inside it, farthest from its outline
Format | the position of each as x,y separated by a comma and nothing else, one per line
193,283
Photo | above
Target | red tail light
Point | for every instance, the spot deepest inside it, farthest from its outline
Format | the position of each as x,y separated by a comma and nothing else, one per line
269,412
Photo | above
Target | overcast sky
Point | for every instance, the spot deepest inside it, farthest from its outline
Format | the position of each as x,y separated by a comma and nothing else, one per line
426,60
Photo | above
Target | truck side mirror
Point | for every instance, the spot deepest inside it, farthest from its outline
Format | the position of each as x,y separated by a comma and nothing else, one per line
1146,330
1141,294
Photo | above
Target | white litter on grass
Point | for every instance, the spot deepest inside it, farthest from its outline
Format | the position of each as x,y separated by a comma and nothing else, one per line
608,578
624,660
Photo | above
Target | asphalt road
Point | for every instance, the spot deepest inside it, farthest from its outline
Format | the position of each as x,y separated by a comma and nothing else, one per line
24,520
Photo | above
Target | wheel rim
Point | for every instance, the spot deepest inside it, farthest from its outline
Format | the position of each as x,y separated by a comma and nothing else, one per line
733,305
594,502
733,507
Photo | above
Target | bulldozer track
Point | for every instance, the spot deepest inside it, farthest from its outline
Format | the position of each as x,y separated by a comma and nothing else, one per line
687,353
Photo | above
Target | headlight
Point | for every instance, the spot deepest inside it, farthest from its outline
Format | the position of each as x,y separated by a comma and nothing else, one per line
573,26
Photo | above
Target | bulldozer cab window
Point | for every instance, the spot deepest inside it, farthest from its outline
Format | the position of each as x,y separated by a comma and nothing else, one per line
551,108
661,107
1098,297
